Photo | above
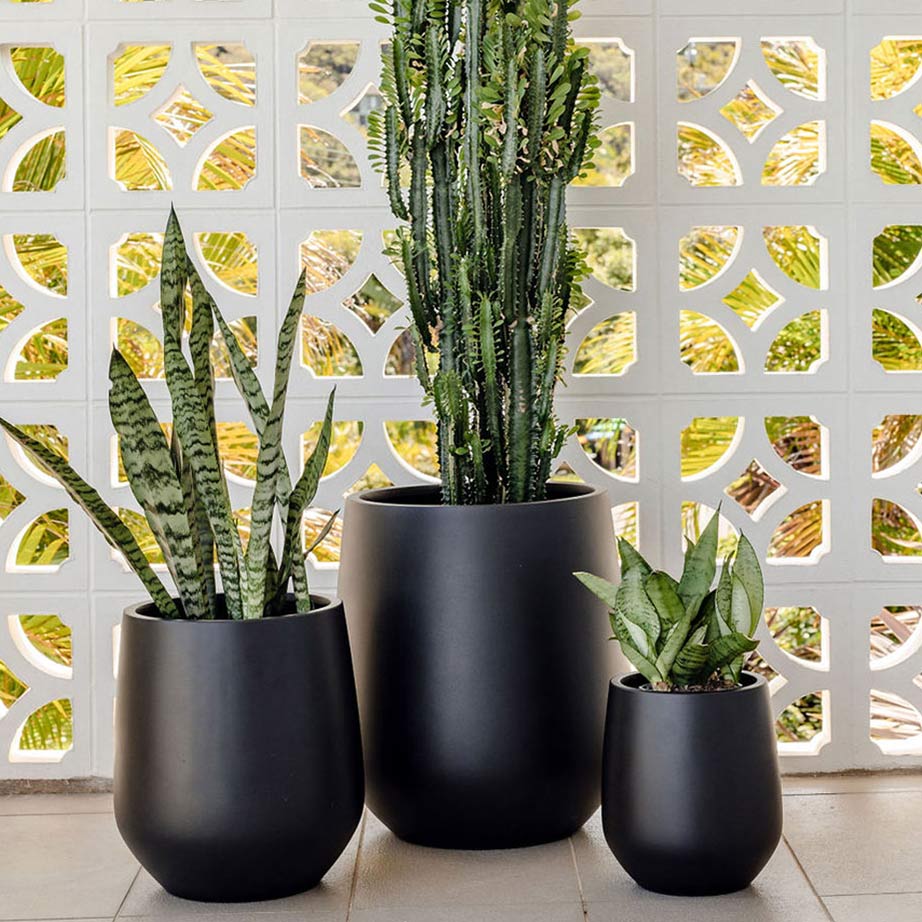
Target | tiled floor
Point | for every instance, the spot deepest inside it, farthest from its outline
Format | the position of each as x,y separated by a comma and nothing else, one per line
852,852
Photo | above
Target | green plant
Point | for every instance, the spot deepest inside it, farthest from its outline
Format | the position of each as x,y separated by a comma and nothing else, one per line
489,113
682,634
180,483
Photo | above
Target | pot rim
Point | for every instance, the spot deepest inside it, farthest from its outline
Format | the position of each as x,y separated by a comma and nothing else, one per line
326,605
757,682
382,496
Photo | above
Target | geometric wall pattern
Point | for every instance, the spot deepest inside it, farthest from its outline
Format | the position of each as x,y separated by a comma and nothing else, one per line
750,336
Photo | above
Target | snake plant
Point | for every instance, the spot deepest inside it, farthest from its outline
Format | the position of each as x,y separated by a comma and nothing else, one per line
682,634
489,112
180,482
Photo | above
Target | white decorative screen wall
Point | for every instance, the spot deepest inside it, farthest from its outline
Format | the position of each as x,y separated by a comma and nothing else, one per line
750,335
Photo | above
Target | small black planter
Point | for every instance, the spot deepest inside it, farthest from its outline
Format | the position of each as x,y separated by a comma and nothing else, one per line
691,796
238,768
482,664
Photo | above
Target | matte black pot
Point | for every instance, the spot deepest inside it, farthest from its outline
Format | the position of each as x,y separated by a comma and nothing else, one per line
238,765
691,796
482,664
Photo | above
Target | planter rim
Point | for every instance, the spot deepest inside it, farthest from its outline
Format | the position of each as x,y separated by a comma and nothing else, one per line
756,681
395,497
325,606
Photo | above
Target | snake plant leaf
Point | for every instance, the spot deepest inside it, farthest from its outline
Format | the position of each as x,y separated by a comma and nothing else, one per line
247,383
191,419
660,588
700,563
269,462
724,650
694,607
740,612
690,664
631,557
152,478
724,592
634,605
747,569
302,494
321,535
675,641
642,664
112,527
632,635
201,335
606,591
198,522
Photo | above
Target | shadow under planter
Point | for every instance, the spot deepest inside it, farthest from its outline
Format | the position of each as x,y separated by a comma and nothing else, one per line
238,769
481,663
691,795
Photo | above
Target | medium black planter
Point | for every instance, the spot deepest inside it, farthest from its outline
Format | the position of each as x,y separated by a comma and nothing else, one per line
482,664
238,765
691,796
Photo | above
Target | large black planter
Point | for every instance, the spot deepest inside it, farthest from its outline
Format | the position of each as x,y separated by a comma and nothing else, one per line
691,796
238,766
482,664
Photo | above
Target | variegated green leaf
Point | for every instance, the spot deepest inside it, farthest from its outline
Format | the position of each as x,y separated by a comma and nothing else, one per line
724,590
726,649
269,462
690,664
647,669
630,558
634,604
599,587
112,527
152,478
198,522
191,419
675,640
302,494
700,563
630,634
660,587
749,572
322,534
740,612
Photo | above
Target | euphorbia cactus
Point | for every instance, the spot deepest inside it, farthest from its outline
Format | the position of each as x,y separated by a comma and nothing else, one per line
686,634
489,113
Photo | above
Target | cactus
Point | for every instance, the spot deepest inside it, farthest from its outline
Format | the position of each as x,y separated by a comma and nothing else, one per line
180,482
683,633
489,113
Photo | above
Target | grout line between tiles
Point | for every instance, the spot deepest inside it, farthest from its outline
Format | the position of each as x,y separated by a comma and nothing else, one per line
121,905
60,813
877,893
806,877
355,866
579,880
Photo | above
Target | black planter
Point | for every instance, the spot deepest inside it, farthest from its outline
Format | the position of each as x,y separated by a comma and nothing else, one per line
482,664
238,767
691,796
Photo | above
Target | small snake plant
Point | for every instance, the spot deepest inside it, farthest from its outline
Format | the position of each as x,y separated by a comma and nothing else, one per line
180,482
684,634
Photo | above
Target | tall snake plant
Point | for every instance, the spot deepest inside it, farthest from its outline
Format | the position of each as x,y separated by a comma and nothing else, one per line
180,482
490,111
